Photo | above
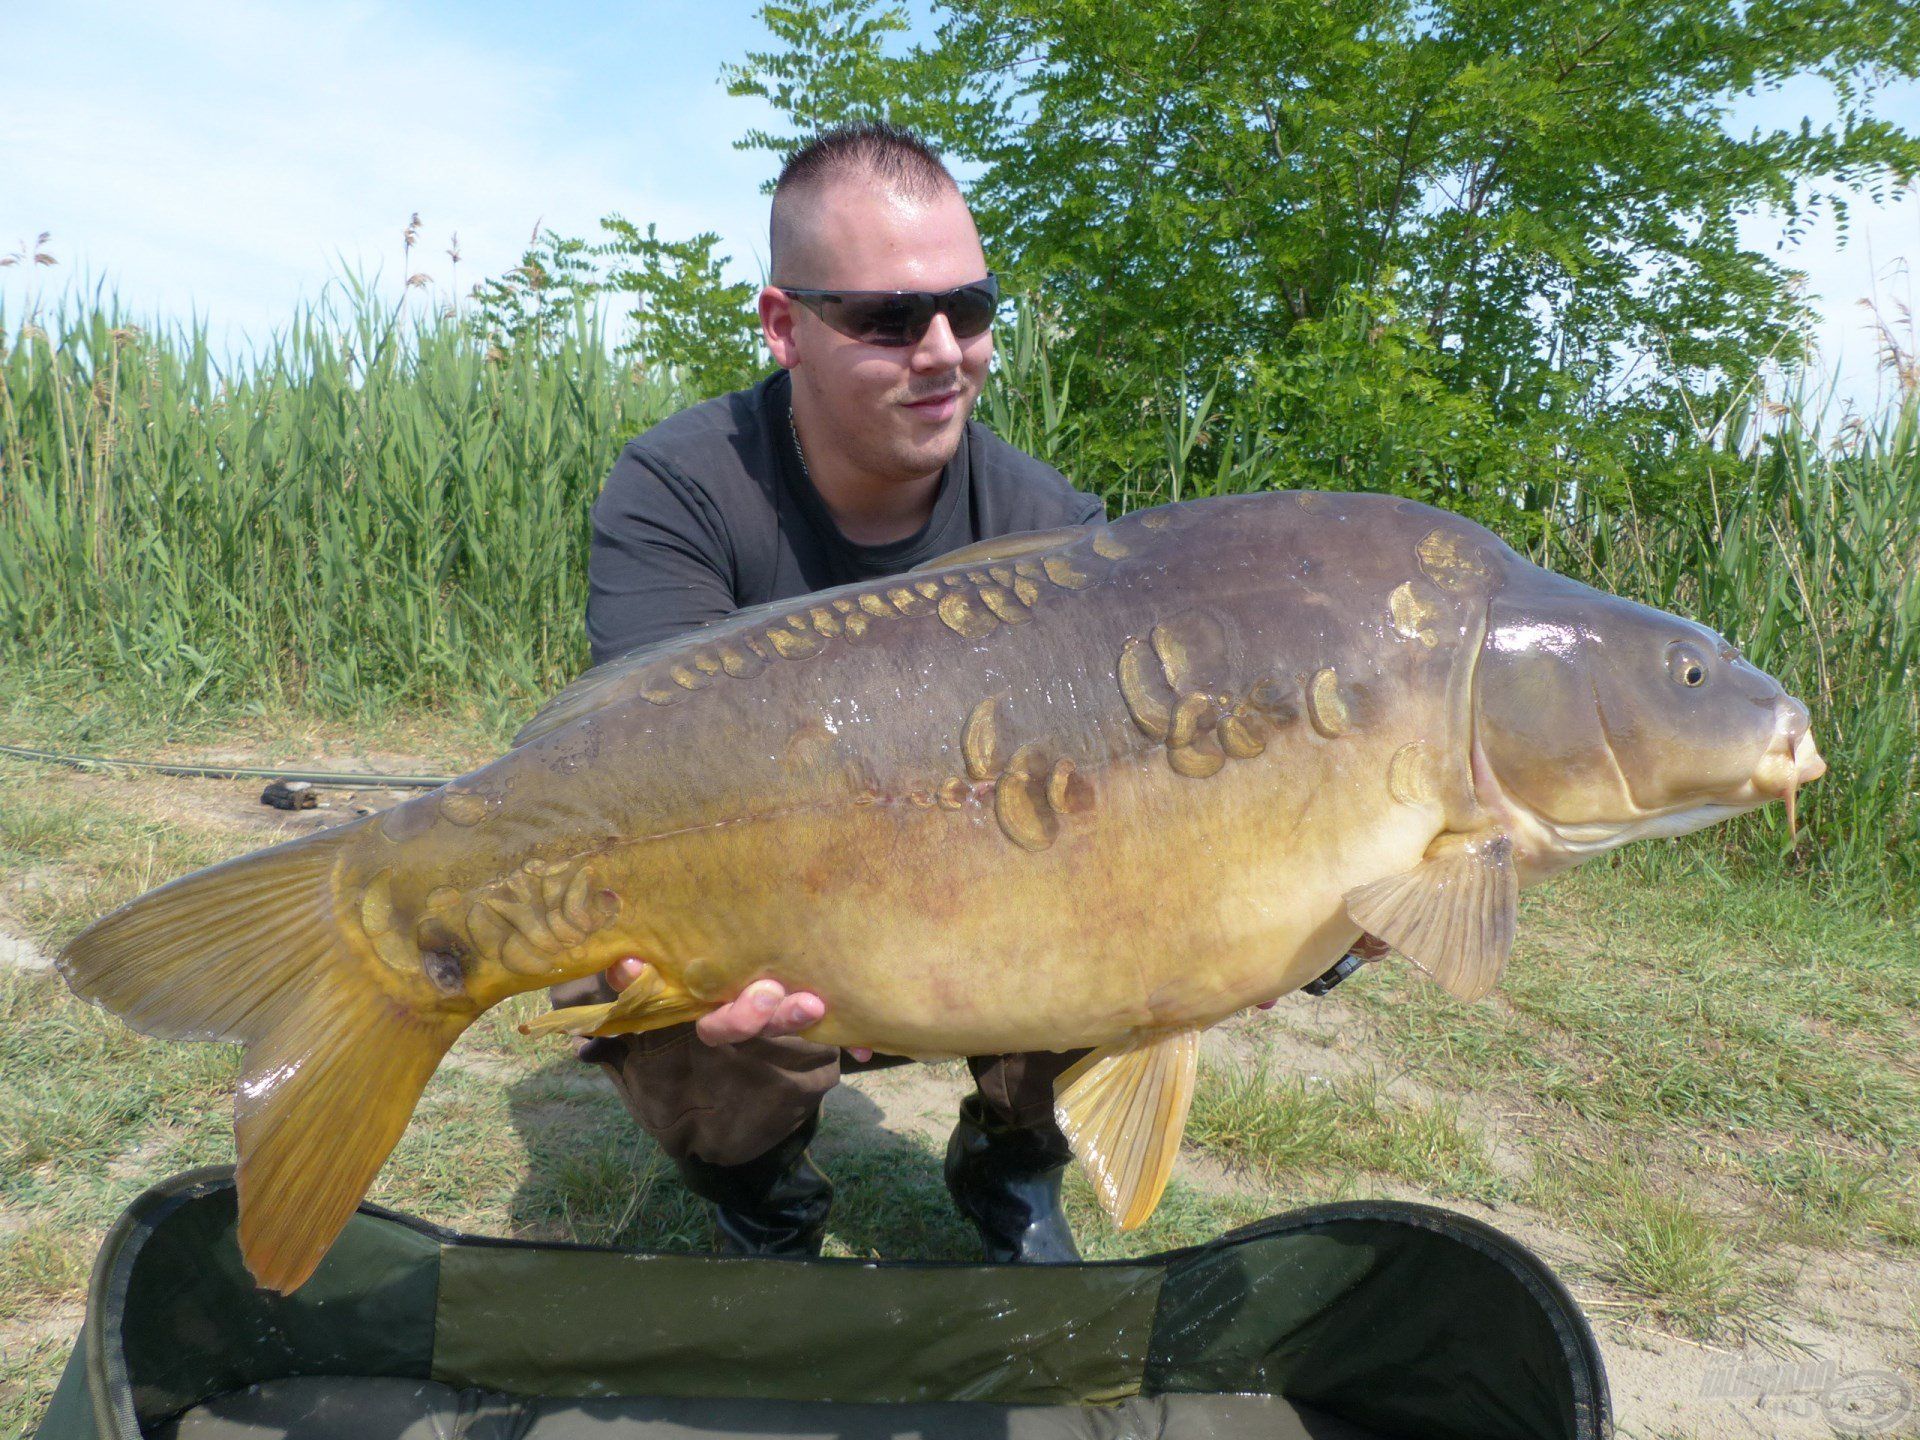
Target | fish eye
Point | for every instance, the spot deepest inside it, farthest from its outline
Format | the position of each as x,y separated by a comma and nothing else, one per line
1686,664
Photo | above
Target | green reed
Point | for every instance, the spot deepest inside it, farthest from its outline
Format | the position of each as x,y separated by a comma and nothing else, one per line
1807,555
375,506
378,510
1805,552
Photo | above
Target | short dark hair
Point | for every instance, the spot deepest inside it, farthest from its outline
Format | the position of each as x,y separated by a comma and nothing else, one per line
887,155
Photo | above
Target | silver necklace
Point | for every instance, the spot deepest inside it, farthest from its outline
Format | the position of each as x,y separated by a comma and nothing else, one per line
793,428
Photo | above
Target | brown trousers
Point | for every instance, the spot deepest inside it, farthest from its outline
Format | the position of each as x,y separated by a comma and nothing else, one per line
728,1104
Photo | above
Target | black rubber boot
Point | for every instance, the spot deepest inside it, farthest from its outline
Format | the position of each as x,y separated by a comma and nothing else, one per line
1006,1180
774,1205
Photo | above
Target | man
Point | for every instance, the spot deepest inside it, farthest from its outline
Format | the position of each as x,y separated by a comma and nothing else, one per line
857,459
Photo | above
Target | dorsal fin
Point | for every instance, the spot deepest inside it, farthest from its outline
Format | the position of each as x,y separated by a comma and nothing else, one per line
1007,547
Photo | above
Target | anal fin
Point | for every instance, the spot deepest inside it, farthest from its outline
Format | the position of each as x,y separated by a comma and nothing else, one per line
1453,914
1123,1109
651,1003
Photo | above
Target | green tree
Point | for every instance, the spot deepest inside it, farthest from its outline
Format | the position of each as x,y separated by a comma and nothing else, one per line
534,305
682,313
1497,237
678,313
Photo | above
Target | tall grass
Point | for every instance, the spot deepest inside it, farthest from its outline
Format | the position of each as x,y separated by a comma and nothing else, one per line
1805,552
1808,556
377,507
379,510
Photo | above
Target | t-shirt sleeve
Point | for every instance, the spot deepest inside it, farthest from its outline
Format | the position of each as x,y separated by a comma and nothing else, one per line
1091,508
1073,507
1016,492
660,564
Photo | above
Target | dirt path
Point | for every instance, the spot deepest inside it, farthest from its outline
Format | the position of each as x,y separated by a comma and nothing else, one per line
18,954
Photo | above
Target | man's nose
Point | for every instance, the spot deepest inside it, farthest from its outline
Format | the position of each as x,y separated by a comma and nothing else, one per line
937,350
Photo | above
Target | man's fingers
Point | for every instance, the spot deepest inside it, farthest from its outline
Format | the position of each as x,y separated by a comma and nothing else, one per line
763,1008
623,973
795,1013
745,1017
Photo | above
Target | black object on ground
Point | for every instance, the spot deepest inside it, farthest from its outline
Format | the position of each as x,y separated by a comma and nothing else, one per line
224,772
289,795
1360,1320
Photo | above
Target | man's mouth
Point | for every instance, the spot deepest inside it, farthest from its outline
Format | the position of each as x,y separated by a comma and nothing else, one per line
936,407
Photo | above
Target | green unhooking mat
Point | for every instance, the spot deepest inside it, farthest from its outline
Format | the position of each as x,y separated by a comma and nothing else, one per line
1365,1320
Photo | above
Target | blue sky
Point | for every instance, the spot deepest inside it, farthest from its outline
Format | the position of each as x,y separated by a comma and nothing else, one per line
221,158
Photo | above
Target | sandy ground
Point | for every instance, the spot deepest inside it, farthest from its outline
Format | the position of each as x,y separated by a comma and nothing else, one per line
1845,1363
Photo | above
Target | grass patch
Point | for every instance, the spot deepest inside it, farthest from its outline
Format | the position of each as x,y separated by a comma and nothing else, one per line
1837,1200
1307,1125
29,1369
83,854
81,1090
1749,1036
48,705
42,1263
1664,1259
1715,1007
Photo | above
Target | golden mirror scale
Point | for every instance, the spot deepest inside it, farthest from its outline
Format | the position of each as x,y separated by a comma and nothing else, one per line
1098,788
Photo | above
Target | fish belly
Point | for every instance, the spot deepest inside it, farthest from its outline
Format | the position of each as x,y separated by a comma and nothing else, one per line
1170,903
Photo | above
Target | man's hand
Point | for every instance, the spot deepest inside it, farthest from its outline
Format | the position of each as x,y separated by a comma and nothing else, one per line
763,1008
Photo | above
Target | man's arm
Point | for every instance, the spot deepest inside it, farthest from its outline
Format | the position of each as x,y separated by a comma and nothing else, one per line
661,562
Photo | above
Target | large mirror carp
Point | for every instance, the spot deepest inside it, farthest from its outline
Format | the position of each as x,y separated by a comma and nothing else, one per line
1100,788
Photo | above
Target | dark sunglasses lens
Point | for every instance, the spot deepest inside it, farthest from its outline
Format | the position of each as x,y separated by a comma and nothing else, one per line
893,320
970,310
901,320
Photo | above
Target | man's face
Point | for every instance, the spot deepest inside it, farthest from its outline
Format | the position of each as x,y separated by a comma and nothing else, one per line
897,413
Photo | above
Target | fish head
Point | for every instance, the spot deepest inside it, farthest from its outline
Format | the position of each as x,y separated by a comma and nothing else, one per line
1598,721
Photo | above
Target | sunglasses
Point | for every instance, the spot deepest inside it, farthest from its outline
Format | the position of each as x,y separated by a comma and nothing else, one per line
898,318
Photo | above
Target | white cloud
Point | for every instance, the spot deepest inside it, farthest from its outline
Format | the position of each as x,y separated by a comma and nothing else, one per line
227,158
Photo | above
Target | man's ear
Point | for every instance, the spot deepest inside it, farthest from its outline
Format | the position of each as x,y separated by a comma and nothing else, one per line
778,317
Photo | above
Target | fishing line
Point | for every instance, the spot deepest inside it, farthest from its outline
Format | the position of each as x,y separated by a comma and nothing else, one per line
334,779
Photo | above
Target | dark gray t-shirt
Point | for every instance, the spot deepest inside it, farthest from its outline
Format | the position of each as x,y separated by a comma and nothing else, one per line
710,512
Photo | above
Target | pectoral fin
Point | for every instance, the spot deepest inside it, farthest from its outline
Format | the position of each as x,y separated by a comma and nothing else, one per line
1452,915
650,1003
1122,1109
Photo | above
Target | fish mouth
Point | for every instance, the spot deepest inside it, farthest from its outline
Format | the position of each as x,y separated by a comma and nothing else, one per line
1792,761
1547,844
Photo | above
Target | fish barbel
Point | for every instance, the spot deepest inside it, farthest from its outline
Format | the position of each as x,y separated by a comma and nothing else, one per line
1097,788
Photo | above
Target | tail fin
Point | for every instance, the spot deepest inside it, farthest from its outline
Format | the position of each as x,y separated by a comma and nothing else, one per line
250,951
